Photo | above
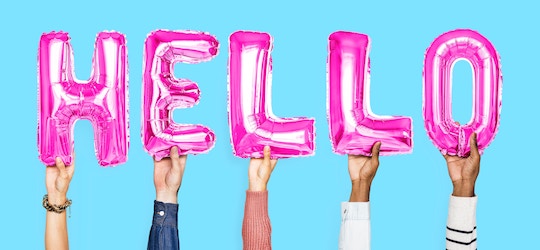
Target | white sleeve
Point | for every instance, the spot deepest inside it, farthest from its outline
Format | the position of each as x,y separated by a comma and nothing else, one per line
355,232
461,225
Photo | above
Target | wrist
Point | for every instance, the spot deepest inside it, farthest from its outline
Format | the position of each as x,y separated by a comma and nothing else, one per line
360,191
463,189
56,198
256,187
167,197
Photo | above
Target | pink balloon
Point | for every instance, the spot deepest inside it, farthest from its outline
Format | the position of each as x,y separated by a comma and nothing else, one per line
62,99
353,126
441,56
252,123
162,92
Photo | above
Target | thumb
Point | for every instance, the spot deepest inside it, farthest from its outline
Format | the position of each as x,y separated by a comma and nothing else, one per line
61,166
174,152
266,153
375,150
175,158
473,143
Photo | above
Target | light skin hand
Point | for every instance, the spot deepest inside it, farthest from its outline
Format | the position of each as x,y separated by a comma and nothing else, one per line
464,171
259,171
362,170
57,179
168,174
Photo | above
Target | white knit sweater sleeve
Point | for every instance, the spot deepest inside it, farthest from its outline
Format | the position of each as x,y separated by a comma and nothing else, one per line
461,224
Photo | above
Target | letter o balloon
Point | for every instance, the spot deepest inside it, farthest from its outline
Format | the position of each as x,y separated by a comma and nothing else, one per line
448,136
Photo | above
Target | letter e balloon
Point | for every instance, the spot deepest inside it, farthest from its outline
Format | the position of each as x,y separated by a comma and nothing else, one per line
162,92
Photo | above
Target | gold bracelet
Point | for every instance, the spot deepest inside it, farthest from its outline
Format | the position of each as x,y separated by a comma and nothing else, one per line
55,208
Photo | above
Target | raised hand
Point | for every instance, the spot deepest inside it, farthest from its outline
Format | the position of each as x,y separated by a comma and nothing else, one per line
259,171
362,170
464,171
57,179
168,174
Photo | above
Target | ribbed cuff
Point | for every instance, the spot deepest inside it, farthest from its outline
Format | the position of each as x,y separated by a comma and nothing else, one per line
355,211
462,212
257,202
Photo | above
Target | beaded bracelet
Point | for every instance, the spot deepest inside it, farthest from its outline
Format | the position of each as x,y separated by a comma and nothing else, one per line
55,208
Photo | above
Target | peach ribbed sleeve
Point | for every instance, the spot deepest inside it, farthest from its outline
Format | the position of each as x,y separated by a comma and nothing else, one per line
256,229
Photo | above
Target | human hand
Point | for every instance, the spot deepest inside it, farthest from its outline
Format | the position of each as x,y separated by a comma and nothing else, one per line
57,179
464,171
259,171
168,174
362,170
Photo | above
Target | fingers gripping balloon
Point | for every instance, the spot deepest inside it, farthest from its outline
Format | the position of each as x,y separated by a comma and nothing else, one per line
62,99
353,126
162,92
252,123
450,137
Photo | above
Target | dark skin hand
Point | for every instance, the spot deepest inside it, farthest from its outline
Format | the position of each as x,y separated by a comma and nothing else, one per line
464,171
362,170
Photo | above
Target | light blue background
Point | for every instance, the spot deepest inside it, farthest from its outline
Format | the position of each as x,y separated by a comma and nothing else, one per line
112,207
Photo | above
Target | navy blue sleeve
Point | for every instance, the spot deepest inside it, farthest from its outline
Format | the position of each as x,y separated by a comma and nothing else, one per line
164,231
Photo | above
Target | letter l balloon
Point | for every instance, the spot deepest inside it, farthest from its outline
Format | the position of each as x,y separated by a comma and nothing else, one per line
353,126
252,123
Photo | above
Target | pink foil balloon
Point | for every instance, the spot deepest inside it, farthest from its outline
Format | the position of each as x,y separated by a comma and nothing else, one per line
102,99
450,137
162,92
252,123
353,126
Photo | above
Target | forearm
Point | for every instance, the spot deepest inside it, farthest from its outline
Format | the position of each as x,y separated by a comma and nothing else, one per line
256,228
360,191
56,236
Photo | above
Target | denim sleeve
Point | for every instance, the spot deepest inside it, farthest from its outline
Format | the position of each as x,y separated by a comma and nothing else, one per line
164,231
